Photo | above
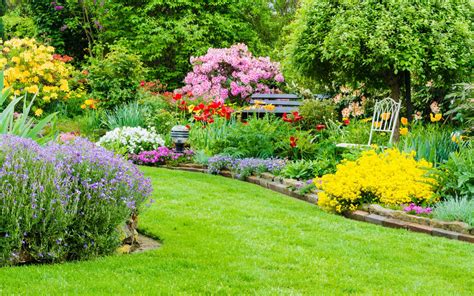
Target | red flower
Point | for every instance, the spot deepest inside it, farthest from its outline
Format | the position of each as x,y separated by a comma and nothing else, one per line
214,105
285,118
142,83
346,121
320,127
177,97
295,117
188,127
293,141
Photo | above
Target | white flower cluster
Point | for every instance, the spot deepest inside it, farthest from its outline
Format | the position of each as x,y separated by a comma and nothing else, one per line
132,139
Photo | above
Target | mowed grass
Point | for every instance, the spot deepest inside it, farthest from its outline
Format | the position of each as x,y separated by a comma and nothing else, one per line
222,236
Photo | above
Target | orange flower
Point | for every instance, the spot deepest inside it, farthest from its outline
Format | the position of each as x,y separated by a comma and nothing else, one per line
404,121
385,116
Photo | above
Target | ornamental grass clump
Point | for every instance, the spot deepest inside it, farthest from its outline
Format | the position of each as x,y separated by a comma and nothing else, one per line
390,177
64,202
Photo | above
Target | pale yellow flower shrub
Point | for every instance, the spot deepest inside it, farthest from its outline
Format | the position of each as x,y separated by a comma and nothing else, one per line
390,177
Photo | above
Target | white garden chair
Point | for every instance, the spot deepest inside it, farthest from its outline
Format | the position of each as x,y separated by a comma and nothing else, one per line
384,120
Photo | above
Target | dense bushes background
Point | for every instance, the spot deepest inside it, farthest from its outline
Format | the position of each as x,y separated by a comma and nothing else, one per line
164,33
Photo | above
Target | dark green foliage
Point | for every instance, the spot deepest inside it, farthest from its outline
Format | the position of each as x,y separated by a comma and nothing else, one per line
166,33
114,77
60,28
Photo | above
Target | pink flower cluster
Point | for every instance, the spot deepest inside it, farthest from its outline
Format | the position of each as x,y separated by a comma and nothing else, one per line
414,209
161,155
231,73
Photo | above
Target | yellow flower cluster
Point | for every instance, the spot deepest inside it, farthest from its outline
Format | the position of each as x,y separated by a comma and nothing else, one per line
261,105
33,68
390,177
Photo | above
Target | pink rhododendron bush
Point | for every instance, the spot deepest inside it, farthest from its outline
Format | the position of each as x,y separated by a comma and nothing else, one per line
231,74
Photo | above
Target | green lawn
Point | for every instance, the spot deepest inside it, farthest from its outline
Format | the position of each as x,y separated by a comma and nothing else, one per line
225,236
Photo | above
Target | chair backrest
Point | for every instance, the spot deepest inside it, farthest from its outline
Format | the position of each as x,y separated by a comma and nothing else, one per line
385,117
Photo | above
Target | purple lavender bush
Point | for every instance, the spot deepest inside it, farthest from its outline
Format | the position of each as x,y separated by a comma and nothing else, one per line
64,201
242,168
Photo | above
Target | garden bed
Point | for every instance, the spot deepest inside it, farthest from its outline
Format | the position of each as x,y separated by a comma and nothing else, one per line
375,214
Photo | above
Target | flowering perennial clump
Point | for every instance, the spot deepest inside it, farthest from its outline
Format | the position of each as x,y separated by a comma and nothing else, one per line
64,201
231,73
162,155
34,68
242,168
390,177
419,210
131,140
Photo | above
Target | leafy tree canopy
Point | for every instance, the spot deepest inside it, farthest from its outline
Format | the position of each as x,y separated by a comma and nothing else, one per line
378,41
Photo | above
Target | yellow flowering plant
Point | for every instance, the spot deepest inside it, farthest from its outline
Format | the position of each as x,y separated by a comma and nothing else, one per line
33,68
390,177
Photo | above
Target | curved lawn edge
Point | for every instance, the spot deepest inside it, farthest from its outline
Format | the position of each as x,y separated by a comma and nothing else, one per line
279,185
225,236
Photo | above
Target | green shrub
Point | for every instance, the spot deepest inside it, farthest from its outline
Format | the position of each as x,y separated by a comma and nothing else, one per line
90,124
316,112
456,177
158,113
456,209
114,77
255,138
18,26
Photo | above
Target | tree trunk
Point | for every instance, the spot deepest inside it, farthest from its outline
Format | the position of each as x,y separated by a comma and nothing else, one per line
408,102
394,81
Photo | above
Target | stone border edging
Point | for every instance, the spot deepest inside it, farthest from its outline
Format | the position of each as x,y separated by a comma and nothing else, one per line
372,215
455,226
